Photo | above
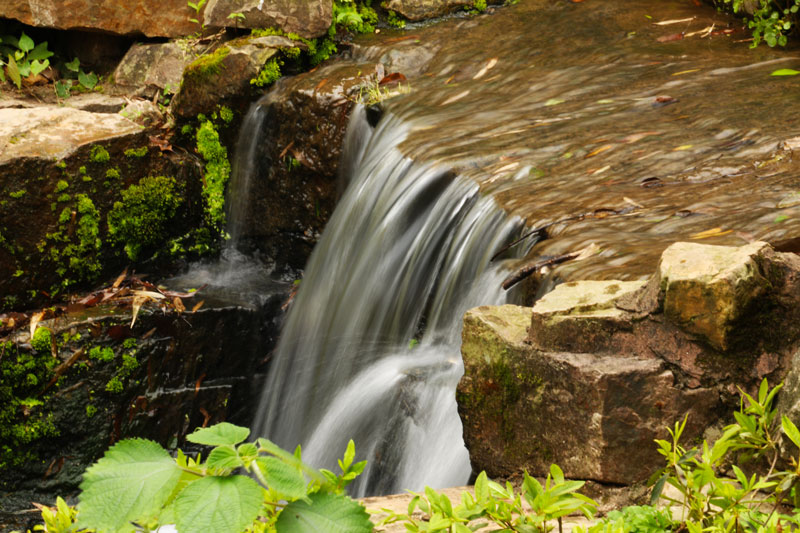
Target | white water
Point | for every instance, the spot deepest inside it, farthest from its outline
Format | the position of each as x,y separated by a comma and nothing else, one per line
370,348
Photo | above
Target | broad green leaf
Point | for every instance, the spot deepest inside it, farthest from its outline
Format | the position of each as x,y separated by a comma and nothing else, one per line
791,430
222,434
2,73
13,72
87,80
224,457
40,52
219,504
329,513
37,67
482,488
349,455
62,89
285,479
785,72
25,43
24,68
74,65
290,459
131,482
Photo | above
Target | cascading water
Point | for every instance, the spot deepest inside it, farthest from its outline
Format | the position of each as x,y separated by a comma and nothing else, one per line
237,278
370,348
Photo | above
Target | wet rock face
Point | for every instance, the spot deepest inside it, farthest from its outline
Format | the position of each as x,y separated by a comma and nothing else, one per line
160,380
153,18
307,18
596,370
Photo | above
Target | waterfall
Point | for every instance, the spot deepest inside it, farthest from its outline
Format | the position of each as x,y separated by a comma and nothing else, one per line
370,347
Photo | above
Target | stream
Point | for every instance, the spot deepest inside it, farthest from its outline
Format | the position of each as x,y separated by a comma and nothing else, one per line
625,125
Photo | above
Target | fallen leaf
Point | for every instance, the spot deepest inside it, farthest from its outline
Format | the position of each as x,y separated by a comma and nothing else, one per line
553,101
785,72
120,278
492,62
197,306
149,294
35,319
670,38
392,78
178,304
713,232
455,98
136,305
673,21
682,147
598,151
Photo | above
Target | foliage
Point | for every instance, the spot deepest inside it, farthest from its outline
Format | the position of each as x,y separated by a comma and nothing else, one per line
635,519
499,505
42,340
22,417
143,215
79,233
196,7
772,20
217,172
22,58
150,489
269,74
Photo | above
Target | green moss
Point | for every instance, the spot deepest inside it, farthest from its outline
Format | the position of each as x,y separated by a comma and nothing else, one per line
18,194
64,197
269,74
101,353
113,173
61,185
130,343
226,114
61,165
91,410
140,220
114,385
82,170
23,414
479,6
207,65
42,340
98,154
217,172
136,153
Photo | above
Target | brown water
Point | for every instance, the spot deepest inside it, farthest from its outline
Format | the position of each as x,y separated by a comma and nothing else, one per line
560,109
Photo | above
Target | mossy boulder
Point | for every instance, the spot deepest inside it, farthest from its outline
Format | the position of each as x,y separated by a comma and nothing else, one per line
307,18
63,171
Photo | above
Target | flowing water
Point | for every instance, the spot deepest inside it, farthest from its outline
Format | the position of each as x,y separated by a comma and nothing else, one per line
609,122
370,349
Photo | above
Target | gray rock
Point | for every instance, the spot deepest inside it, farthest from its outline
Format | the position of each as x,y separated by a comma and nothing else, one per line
425,9
307,18
160,65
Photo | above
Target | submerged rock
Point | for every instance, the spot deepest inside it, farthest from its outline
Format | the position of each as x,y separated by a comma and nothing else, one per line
596,370
416,10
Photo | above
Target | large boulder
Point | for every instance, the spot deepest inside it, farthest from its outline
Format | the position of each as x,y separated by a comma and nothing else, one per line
306,18
157,64
153,18
596,370
595,415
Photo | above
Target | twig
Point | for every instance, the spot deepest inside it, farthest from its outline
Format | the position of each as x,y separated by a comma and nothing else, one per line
530,268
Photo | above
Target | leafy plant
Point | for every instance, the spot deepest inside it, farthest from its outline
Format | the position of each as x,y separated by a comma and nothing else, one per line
197,7
218,494
23,58
771,21
501,506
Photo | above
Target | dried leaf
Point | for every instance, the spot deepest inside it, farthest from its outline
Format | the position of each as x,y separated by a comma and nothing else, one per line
671,37
136,305
394,77
673,21
492,62
178,304
35,319
599,151
713,232
455,98
149,294
120,278
198,305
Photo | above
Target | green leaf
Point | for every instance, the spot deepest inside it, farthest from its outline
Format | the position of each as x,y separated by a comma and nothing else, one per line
219,504
37,67
13,72
224,457
349,455
326,512
87,80
25,43
290,459
222,434
791,430
131,482
62,89
785,72
74,65
285,479
40,52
